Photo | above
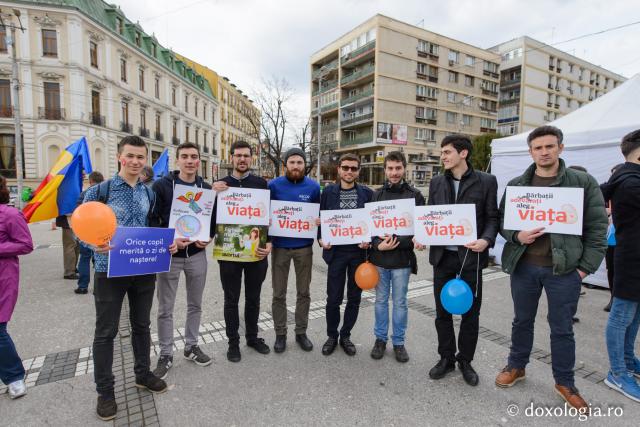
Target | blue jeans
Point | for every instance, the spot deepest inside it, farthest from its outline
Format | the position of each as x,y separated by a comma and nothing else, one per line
11,369
622,329
395,282
563,292
84,267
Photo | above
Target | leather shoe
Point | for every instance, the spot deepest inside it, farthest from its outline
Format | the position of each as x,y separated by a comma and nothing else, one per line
304,342
442,368
572,396
468,373
348,347
281,343
509,376
329,346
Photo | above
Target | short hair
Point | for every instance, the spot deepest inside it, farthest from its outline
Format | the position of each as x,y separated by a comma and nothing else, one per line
4,191
544,131
349,157
186,145
96,177
133,140
241,143
395,156
459,142
148,171
578,168
630,142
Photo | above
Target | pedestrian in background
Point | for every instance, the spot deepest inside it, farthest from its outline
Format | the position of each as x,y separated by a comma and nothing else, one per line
86,253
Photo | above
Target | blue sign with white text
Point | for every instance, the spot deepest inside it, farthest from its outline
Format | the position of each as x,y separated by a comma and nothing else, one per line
140,250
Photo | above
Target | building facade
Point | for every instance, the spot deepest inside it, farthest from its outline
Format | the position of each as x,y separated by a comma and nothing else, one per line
87,70
387,85
539,84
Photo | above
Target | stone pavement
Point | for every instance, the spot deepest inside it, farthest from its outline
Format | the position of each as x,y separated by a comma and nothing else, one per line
52,328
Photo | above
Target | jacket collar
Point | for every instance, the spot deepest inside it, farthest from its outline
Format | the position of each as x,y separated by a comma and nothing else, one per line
527,177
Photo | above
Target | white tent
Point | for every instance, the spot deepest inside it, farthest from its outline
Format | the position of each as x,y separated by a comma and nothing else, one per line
592,136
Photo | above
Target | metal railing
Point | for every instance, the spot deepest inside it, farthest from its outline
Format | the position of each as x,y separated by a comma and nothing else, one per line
126,127
159,136
352,55
325,68
356,119
360,139
98,120
364,94
51,113
143,132
6,111
175,140
369,69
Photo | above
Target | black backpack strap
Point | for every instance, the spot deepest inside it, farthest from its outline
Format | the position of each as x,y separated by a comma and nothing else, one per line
102,195
152,204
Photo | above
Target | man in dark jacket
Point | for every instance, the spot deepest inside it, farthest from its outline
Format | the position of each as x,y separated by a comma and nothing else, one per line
461,184
190,259
623,189
554,262
343,259
395,259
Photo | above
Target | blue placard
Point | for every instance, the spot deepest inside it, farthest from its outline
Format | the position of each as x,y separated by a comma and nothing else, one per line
140,250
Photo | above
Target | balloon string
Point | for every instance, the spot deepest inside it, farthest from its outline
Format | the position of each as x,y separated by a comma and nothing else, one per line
463,261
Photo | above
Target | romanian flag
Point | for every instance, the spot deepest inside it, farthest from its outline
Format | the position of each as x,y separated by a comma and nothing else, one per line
58,193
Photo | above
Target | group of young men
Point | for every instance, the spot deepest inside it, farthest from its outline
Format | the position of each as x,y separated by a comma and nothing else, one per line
535,260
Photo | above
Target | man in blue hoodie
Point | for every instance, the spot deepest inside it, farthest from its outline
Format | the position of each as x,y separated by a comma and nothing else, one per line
293,187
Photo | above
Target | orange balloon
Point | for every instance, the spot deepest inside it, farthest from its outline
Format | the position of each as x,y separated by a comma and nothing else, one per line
367,276
94,223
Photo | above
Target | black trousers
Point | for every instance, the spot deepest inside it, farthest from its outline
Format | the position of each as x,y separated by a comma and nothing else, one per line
344,263
231,277
108,295
609,263
446,270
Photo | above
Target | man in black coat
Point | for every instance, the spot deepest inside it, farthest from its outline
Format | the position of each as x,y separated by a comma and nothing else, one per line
461,184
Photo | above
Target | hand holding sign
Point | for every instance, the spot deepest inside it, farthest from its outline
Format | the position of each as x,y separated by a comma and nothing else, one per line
530,236
389,243
477,245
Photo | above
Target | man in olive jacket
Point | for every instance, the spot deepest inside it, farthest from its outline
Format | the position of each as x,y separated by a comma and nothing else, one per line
554,262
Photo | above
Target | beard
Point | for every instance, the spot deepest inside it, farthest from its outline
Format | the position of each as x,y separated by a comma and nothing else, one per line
295,175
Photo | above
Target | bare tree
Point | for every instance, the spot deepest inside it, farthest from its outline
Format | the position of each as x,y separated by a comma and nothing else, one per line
304,140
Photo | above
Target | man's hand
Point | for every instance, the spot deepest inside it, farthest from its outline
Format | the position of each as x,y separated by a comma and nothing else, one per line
318,222
528,237
173,248
200,244
581,273
263,252
363,245
102,249
389,243
219,186
418,246
327,246
182,242
477,245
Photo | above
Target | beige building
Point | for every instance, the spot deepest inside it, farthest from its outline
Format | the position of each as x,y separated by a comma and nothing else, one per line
539,83
387,85
87,70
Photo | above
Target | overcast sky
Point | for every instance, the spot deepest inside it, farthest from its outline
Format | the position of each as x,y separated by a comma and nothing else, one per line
246,40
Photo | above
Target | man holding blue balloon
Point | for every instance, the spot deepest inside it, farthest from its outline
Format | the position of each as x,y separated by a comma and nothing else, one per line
461,266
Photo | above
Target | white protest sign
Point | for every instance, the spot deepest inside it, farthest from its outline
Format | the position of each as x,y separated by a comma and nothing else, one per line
558,210
191,210
444,225
344,226
294,219
246,206
391,217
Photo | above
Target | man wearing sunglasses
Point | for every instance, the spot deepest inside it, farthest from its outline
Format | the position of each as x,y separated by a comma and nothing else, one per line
344,259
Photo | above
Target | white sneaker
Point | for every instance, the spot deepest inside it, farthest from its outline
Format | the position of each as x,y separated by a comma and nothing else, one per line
17,389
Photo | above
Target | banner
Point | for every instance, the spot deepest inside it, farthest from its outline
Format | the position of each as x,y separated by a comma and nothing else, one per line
239,242
445,225
344,226
391,134
558,210
191,211
294,219
391,217
248,206
140,250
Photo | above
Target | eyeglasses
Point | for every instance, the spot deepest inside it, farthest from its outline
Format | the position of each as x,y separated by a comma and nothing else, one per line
350,168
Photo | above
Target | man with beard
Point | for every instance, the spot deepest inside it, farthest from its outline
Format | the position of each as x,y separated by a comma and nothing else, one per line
231,271
293,187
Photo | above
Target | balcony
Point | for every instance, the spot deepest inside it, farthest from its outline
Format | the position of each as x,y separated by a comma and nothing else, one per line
325,68
126,127
98,120
327,86
369,69
175,140
143,132
357,97
487,130
361,51
6,111
329,127
490,74
429,55
214,151
158,136
423,158
359,139
488,108
51,113
426,120
205,149
356,120
509,101
329,107
489,92
507,83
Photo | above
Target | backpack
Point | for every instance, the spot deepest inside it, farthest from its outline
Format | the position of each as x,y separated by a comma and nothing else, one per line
104,188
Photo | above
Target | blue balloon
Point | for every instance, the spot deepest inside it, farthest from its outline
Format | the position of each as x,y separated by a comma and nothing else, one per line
456,296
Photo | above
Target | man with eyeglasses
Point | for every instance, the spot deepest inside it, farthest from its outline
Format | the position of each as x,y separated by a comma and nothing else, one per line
344,259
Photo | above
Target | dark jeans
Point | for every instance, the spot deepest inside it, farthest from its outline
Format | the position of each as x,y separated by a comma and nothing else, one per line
11,369
609,263
344,263
563,292
231,278
446,270
84,267
109,294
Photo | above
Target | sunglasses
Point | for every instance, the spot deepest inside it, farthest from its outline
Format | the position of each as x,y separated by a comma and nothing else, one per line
350,168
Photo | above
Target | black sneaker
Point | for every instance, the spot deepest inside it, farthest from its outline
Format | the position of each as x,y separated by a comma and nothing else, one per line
259,346
442,368
401,353
197,356
81,291
468,373
106,408
329,346
233,354
348,347
162,368
378,350
151,383
281,344
304,342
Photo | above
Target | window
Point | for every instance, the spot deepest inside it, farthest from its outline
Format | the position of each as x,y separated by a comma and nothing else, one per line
141,79
95,107
158,121
453,77
5,99
52,101
427,47
156,86
421,90
119,25
123,70
488,86
451,97
3,41
138,39
154,50
432,93
469,61
186,133
466,120
196,136
487,123
125,113
93,54
204,137
490,67
186,103
204,113
49,43
195,108
469,80
454,56
422,68
174,128
143,120
173,96
451,117
467,100
421,134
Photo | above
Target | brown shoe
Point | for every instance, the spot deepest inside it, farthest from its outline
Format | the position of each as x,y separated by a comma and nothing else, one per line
572,396
509,376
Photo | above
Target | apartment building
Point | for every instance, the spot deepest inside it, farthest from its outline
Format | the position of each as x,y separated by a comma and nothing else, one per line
539,83
387,85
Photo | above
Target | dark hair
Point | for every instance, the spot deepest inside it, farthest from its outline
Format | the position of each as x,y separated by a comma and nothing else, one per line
395,156
544,131
349,157
459,142
96,177
630,142
241,143
186,145
132,140
578,168
4,191
148,172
